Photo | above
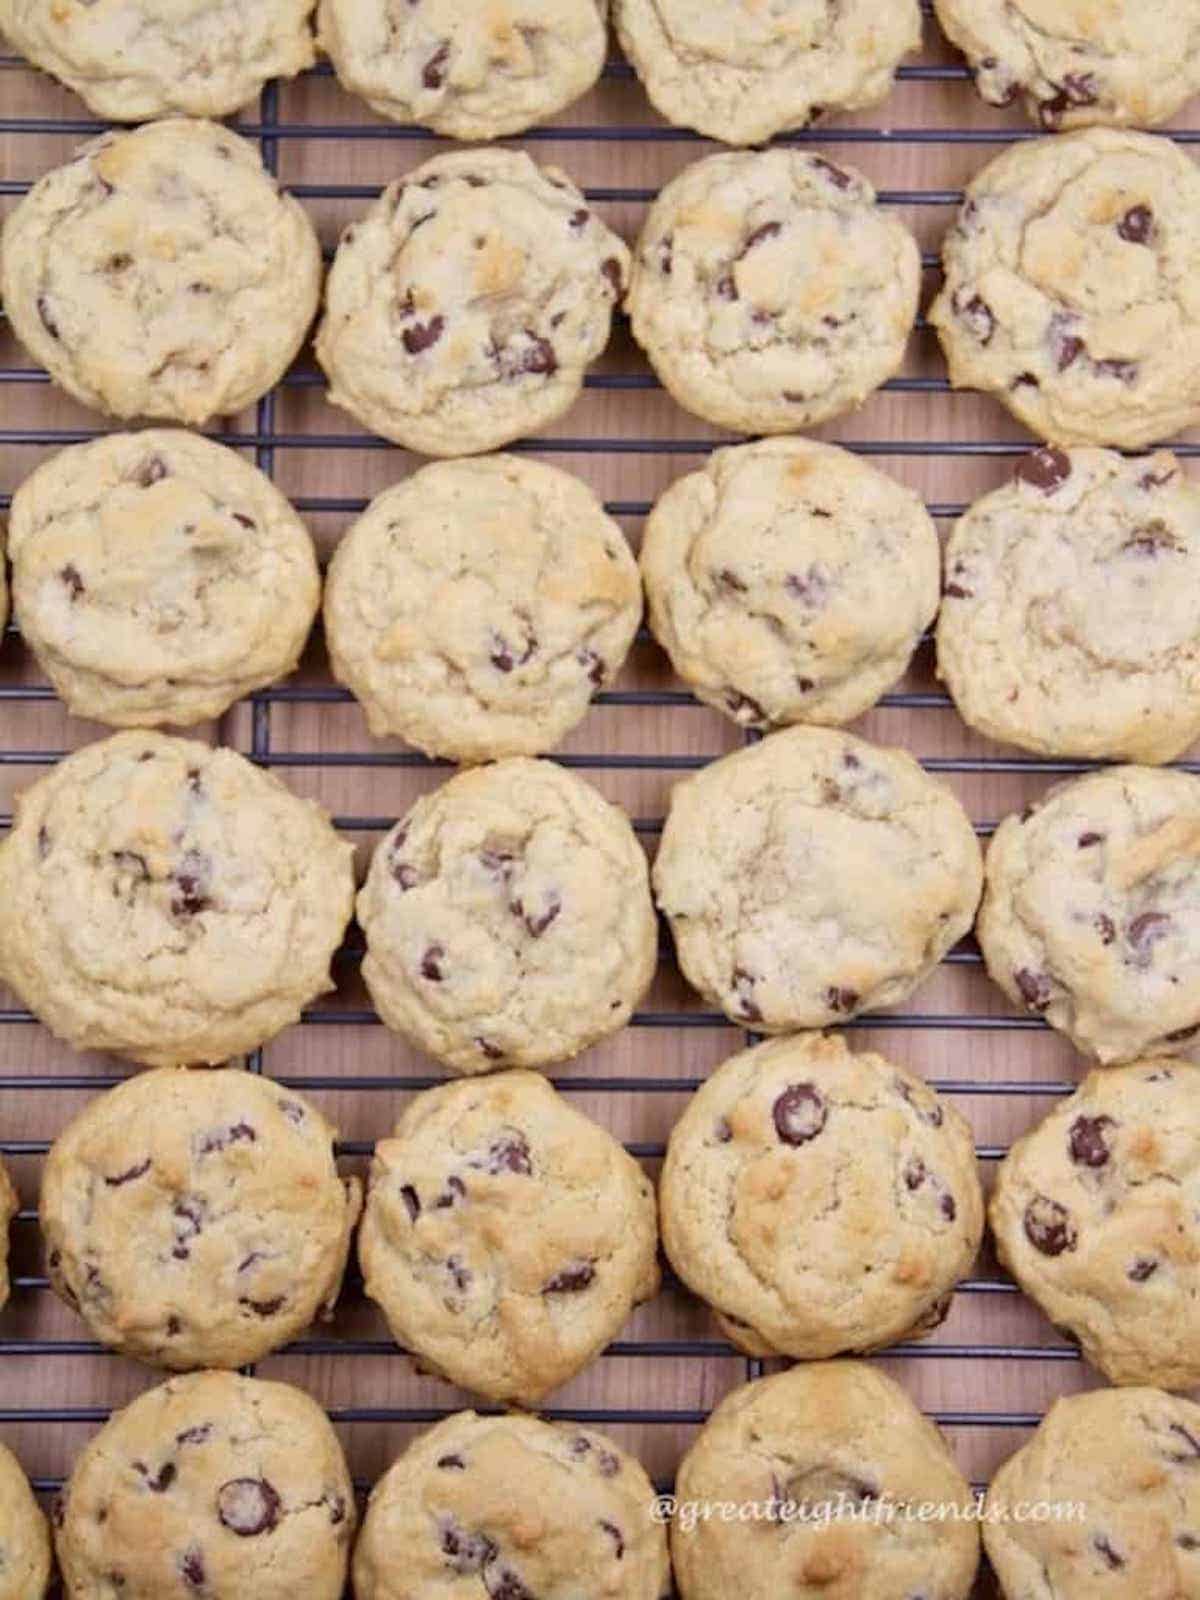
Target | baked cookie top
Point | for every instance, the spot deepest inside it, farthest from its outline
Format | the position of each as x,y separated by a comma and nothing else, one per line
812,876
820,1201
515,1507
130,60
463,309
770,291
789,581
168,901
159,577
25,1561
742,72
1072,288
1092,907
197,1219
161,273
815,1448
476,608
462,70
209,1484
506,1236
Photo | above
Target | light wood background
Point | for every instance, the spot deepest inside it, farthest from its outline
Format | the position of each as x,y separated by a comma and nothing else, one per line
995,1364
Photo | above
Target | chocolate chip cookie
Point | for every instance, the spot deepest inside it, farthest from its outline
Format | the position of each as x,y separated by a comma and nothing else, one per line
467,72
1091,908
169,902
210,1485
742,73
161,273
819,1452
508,919
462,311
1121,1466
159,577
24,1535
1068,288
513,1507
506,1236
10,1204
197,1219
812,876
789,581
476,608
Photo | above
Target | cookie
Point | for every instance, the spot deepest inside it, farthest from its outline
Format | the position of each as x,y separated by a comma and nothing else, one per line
10,1204
1067,288
789,581
812,876
508,919
742,72
1091,907
130,60
212,1485
159,577
1071,618
463,309
1120,1467
770,291
475,608
197,1219
24,1535
819,1201
1095,1214
462,71
1074,63
169,902
818,1454
161,273
513,1507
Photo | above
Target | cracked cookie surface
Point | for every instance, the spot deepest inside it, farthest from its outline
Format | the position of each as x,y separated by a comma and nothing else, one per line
1091,912
462,311
506,1236
209,1485
819,1201
515,1508
770,291
159,577
161,273
476,608
197,1219
789,581
25,1561
168,901
1072,288
813,876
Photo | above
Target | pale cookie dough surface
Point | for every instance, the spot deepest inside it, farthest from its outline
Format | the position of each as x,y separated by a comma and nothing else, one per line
1091,914
161,273
1076,62
1070,622
813,876
741,71
809,1447
1130,1458
476,608
24,1535
210,1485
508,919
770,291
169,902
1072,288
197,1219
10,1204
159,577
506,1236
130,60
462,311
820,1201
513,1508
462,69
1095,1214
789,581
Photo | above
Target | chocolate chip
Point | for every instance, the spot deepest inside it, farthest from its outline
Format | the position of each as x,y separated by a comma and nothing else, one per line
1046,469
1112,1560
452,1463
174,1326
1136,226
539,358
955,591
43,842
915,1173
1188,1541
1105,927
411,1200
190,878
161,1481
503,1584
612,271
196,1435
571,1280
434,74
1087,840
799,1113
666,256
423,335
69,576
455,1189
1157,480
1034,988
1025,380
510,1153
1067,347
614,1533
722,1132
1048,1226
977,315
743,985
263,1308
405,875
767,230
48,322
948,1207
151,471
537,922
744,708
726,287
834,175
1190,1452
1142,1269
431,963
485,1046
1123,371
191,1565
730,580
248,1506
596,669
842,1000
1076,89
244,521
1181,1034
811,587
504,658
1086,1141
579,219
130,1173
222,1138
461,1275
1145,931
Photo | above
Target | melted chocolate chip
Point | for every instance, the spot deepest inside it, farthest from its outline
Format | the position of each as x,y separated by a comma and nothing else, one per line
433,74
730,580
614,1533
743,985
1087,840
191,1566
190,878
834,175
799,1113
767,230
264,1308
1112,1560
71,580
1046,469
504,658
1087,1143
405,875
977,315
594,664
48,322
744,708
161,1481
612,271
503,1584
1190,1451
43,841
915,1173
248,1506
1076,89
423,335
1142,1269
509,1153
1034,988
455,1189
811,587
485,1047
571,1280
222,1138
128,1176
947,1206
1145,931
579,219
1105,927
412,1201
722,1132
431,963
842,1000
452,1463
1048,1226
1136,226
537,922
1123,371
461,1275
151,471
196,1435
